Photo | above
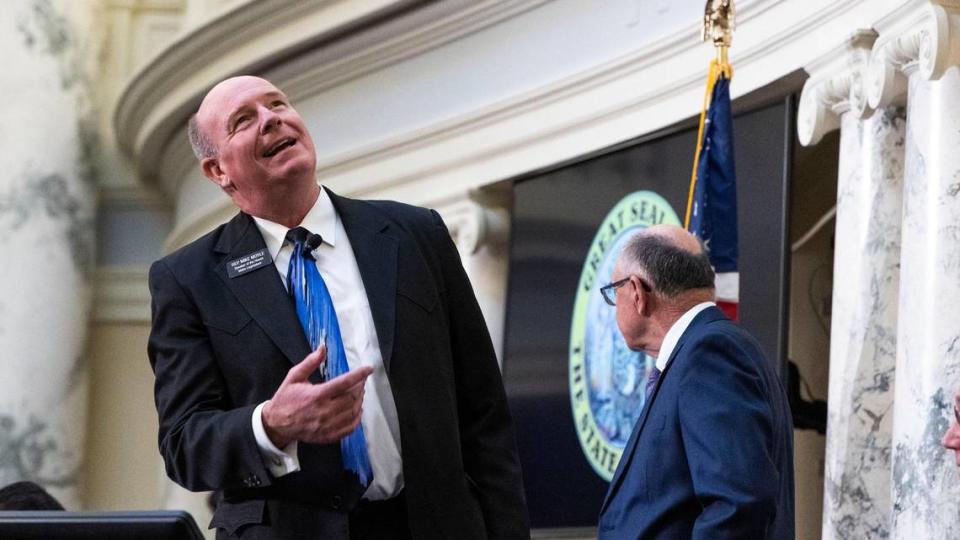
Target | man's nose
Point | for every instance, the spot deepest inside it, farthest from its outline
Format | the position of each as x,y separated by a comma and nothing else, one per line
951,439
270,119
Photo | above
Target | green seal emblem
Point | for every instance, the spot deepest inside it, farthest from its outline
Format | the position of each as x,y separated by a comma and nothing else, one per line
606,378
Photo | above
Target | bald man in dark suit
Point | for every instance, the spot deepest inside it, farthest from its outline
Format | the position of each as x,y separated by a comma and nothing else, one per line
711,455
242,407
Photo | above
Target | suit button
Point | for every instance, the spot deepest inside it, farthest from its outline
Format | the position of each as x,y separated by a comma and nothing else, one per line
335,502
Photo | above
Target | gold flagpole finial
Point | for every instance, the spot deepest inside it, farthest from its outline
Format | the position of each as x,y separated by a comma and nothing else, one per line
718,26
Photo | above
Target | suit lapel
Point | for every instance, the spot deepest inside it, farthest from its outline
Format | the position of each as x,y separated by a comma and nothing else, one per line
627,456
260,291
708,315
376,253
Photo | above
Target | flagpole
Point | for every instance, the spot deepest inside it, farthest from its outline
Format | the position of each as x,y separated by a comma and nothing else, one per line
723,57
718,25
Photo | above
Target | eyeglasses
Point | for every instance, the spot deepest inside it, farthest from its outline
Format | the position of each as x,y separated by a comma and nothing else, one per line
609,292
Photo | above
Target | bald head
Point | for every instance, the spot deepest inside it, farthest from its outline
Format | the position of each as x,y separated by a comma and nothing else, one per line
198,125
668,272
224,90
676,236
252,143
670,258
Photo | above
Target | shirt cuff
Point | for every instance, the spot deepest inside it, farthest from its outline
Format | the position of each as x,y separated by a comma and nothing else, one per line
279,462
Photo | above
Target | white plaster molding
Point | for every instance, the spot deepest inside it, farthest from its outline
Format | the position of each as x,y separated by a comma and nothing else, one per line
653,87
160,97
470,224
132,197
252,35
922,36
145,5
475,218
122,295
329,67
445,155
131,23
941,48
177,163
198,223
198,11
835,87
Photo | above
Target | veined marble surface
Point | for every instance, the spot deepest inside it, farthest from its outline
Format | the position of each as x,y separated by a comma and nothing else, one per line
926,486
46,232
864,326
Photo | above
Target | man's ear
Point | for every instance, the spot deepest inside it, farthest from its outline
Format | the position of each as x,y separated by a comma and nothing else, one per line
642,299
211,169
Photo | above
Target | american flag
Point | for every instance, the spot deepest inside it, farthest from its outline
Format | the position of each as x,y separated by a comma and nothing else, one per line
712,204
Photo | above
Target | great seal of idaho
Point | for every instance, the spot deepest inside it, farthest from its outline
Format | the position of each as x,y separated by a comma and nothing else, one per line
606,378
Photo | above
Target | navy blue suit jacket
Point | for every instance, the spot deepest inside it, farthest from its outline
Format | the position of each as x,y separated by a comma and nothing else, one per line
711,456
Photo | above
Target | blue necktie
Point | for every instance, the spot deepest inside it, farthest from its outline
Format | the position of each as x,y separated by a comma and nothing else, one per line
652,378
319,320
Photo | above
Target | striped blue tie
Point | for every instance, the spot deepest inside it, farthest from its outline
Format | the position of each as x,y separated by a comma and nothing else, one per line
319,320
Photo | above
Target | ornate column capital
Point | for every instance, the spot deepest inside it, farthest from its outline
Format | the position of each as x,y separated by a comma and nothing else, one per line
476,219
835,87
923,36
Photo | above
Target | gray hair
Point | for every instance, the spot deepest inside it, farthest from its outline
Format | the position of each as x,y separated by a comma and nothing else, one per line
202,146
670,269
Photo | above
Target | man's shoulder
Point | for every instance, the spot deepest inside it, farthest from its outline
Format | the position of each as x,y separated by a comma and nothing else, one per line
720,334
419,223
202,246
712,323
727,328
198,254
404,213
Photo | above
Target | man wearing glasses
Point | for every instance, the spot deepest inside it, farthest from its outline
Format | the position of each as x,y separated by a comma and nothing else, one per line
711,455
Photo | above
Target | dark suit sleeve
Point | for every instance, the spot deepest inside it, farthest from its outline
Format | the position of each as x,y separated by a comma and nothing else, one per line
486,429
727,429
205,444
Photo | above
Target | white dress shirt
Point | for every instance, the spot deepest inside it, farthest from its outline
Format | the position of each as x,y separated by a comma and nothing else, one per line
676,332
338,266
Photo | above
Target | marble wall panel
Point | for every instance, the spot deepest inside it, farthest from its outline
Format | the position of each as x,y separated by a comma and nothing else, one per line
47,238
863,334
926,487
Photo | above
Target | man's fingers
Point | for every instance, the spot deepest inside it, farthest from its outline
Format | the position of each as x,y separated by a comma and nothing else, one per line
342,421
302,371
346,382
345,425
349,428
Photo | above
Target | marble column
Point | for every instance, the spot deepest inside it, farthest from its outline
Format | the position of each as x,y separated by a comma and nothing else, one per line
920,42
46,234
480,225
866,279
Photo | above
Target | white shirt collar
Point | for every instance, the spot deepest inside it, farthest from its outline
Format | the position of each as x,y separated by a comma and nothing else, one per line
321,219
676,331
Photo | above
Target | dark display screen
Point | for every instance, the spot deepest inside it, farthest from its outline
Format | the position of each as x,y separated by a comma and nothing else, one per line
556,217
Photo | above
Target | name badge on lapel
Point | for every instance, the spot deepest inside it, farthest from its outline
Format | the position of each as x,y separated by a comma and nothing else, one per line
248,263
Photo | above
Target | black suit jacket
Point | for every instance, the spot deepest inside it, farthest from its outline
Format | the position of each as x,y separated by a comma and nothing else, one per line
219,346
711,456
